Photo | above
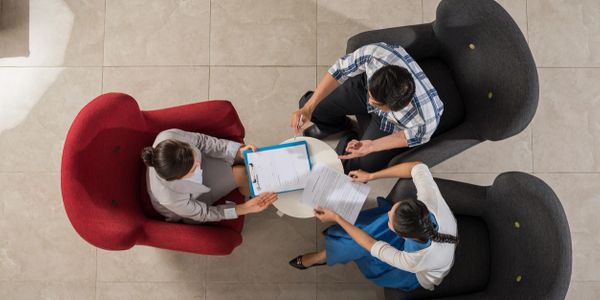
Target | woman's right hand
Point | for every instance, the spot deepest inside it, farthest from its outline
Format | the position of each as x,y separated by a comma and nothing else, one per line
300,119
360,176
256,204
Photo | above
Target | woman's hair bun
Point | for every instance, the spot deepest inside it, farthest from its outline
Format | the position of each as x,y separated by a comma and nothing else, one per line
148,156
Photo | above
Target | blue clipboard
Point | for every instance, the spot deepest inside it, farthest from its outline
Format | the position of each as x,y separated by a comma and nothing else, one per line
272,147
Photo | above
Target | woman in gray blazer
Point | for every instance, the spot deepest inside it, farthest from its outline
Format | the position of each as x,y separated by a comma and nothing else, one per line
188,172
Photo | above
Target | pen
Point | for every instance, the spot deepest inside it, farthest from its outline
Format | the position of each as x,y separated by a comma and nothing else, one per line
298,127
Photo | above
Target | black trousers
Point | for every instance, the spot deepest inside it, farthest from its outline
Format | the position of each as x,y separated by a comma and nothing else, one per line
332,115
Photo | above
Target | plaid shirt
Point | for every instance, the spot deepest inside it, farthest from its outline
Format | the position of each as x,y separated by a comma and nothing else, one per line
421,117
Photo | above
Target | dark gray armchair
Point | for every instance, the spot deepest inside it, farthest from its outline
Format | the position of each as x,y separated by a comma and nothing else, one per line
514,241
478,60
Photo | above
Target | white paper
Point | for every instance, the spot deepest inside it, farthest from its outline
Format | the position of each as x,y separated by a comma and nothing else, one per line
331,189
278,170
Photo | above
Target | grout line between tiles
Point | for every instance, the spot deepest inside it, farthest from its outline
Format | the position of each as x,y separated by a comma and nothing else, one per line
236,66
209,46
239,66
101,91
422,12
314,88
96,277
171,66
206,260
527,19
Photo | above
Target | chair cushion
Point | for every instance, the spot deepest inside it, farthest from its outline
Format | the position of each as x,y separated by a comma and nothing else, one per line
441,78
471,269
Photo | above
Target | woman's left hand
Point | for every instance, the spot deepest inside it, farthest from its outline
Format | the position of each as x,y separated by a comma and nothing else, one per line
326,215
240,155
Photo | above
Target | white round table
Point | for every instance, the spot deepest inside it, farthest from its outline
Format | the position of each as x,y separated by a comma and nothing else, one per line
289,203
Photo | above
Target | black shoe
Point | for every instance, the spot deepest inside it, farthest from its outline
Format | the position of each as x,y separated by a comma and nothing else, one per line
315,132
340,149
297,263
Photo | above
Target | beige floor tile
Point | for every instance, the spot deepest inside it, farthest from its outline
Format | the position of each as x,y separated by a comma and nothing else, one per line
38,107
579,195
150,290
27,290
269,243
583,290
38,242
566,128
56,33
142,263
338,20
586,257
226,291
263,32
157,32
264,97
349,291
564,33
516,8
512,154
158,87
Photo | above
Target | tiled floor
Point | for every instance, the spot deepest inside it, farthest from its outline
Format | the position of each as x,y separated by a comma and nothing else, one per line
55,55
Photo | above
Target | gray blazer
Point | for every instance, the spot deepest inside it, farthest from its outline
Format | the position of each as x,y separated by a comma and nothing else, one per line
190,202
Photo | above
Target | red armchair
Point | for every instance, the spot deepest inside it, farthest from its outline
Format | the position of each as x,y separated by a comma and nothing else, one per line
103,178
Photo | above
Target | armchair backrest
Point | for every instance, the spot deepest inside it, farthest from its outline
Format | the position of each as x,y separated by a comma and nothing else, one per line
530,239
100,173
491,63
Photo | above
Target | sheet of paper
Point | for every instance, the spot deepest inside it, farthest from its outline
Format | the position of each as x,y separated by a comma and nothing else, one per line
278,170
331,189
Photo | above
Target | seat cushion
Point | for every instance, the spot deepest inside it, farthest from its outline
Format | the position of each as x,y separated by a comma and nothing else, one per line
471,269
441,78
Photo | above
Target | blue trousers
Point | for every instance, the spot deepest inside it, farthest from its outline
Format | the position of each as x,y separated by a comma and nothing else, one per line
342,249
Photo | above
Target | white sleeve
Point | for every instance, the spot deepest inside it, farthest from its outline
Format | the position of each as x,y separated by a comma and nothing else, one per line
396,258
427,189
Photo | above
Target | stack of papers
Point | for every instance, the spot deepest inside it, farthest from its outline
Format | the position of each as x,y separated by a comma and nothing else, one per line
328,188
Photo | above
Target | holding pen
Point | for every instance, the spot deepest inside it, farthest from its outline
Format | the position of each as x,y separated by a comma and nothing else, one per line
298,126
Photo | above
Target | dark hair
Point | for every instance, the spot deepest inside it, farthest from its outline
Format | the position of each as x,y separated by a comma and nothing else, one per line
171,159
392,85
412,220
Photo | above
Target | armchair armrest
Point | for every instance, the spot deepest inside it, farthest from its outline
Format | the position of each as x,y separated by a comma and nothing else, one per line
441,147
224,121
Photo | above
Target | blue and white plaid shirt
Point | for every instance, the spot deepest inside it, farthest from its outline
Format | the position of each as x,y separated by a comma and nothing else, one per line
421,117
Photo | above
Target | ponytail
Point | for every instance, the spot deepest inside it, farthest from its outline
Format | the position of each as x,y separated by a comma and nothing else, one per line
412,220
434,235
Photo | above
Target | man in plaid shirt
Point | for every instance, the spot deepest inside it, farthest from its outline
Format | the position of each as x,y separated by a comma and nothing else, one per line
377,79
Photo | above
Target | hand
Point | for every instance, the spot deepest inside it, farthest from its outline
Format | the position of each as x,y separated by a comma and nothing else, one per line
357,149
305,114
239,157
360,176
256,204
326,215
